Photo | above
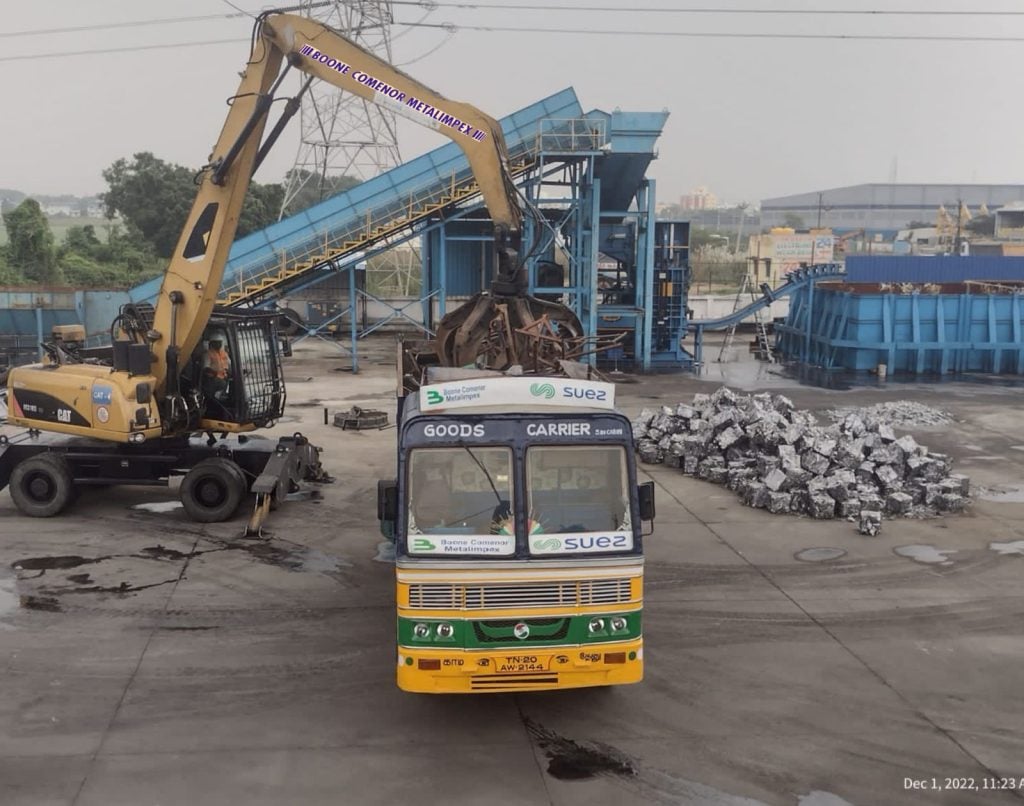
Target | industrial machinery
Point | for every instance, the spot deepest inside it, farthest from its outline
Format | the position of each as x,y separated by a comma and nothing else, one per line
136,412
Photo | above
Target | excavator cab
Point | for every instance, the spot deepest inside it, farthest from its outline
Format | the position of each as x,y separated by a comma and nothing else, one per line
235,374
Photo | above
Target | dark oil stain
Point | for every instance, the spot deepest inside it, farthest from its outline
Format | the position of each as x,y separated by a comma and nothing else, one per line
187,629
268,553
47,604
571,761
80,579
122,589
159,552
51,563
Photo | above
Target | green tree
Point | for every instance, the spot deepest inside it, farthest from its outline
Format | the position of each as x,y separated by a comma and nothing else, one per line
154,197
30,249
315,188
793,221
984,225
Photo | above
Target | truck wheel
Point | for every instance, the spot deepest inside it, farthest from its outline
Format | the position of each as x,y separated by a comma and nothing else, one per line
41,485
212,490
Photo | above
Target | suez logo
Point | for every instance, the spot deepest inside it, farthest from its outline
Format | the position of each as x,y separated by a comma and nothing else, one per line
580,543
547,391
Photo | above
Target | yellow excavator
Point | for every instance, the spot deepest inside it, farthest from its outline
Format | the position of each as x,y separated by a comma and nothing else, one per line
183,380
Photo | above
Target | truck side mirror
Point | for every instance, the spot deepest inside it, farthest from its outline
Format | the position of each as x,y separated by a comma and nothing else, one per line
645,495
387,500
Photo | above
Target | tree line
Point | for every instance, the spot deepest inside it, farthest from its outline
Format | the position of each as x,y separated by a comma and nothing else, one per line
146,204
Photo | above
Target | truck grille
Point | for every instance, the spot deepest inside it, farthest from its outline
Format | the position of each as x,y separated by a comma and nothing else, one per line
494,596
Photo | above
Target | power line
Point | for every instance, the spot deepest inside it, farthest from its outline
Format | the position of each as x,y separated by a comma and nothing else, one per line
115,25
132,48
430,5
723,34
451,28
765,11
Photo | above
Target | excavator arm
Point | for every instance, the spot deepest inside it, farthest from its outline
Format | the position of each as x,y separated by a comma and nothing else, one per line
193,278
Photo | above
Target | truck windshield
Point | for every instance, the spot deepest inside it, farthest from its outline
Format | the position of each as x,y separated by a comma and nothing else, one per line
460,491
577,489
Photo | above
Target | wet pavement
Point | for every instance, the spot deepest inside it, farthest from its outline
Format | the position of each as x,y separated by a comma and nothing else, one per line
148,659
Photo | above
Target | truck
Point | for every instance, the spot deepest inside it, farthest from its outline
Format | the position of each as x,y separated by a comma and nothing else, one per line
517,517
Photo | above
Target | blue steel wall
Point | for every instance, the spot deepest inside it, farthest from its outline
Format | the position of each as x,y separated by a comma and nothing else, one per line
94,309
912,333
937,269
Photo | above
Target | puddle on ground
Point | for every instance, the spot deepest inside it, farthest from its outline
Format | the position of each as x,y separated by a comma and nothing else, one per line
819,798
158,507
923,553
1013,547
385,552
820,555
1003,495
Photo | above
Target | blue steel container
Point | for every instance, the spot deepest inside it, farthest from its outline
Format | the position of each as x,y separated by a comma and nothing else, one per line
932,269
914,333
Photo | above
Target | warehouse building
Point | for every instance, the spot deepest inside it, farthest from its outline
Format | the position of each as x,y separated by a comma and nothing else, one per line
882,206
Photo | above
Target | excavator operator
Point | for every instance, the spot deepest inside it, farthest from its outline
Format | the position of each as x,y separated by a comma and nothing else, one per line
216,365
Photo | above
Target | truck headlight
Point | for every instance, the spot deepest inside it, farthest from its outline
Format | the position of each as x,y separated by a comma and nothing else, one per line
421,631
596,625
619,624
445,630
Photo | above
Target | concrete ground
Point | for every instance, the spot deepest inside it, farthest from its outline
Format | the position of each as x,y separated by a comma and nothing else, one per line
149,660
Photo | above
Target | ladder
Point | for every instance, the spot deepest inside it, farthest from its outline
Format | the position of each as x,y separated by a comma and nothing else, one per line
762,348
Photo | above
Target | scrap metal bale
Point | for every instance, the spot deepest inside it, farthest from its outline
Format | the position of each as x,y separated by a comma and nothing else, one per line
870,523
951,502
775,480
907,444
866,472
887,477
796,478
645,416
886,432
690,465
898,503
685,412
848,509
712,468
723,396
822,506
730,436
800,502
963,481
673,460
778,502
814,462
649,453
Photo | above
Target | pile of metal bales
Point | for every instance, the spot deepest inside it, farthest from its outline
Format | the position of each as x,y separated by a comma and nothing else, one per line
779,459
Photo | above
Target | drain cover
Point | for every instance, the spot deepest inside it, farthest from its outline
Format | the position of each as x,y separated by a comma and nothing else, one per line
819,555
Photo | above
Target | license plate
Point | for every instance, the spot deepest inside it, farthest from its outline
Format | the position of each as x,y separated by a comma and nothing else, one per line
518,663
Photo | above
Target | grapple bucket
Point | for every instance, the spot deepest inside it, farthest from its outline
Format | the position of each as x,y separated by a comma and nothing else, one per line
496,332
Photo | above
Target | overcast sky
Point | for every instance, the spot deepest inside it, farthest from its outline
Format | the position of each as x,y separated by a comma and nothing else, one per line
750,118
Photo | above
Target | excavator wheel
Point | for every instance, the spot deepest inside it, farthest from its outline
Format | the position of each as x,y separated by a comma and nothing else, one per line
41,485
212,490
